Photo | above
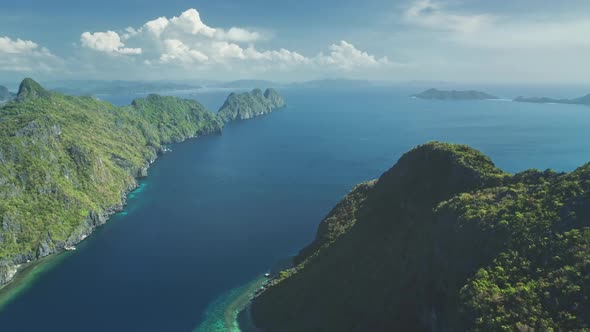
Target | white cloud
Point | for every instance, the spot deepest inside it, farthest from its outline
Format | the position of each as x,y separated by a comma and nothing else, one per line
238,35
176,51
190,23
17,55
493,31
17,46
186,41
347,57
107,42
430,14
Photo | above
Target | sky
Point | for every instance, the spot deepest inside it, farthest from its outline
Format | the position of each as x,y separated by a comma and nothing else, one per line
503,41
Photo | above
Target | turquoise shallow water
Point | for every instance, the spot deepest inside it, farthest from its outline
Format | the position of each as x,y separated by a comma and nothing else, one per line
217,212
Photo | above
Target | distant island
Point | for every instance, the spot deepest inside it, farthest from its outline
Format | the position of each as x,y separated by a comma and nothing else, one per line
585,100
5,95
241,106
454,95
443,241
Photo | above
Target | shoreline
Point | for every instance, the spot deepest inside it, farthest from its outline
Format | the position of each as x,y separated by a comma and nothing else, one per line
19,274
225,313
27,274
230,311
23,271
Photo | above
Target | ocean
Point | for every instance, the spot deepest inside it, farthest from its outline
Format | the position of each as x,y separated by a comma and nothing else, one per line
218,212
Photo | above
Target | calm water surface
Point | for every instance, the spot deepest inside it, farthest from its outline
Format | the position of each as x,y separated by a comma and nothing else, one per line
218,211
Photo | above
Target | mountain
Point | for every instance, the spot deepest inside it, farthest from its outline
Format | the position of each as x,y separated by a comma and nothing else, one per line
250,104
67,163
585,100
454,95
443,241
5,95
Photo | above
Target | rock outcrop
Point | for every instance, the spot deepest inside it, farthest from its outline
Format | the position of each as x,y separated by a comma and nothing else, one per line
247,105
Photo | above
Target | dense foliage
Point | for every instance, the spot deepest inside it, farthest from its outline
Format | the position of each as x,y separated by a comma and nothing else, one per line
445,241
67,162
250,104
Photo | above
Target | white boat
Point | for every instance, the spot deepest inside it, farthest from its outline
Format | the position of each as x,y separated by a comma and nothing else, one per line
267,275
70,248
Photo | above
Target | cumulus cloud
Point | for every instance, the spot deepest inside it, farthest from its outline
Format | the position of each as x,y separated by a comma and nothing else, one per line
17,55
107,42
175,50
347,57
185,40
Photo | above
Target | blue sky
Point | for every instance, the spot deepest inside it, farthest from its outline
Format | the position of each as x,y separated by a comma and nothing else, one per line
451,40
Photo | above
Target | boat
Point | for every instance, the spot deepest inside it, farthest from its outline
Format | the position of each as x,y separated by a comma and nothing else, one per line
70,248
267,275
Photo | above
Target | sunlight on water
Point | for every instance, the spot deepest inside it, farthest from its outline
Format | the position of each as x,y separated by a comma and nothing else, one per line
222,314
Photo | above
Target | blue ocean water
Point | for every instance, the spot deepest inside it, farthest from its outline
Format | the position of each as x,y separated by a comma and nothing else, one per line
219,211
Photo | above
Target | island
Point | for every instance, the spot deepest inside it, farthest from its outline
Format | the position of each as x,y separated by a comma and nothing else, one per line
584,100
5,95
67,163
248,105
454,95
443,241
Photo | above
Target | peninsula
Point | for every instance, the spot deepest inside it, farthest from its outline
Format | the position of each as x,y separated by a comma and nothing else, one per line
67,163
454,95
443,241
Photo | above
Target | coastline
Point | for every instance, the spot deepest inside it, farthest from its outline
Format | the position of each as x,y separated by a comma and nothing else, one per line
230,312
225,313
24,269
19,274
26,276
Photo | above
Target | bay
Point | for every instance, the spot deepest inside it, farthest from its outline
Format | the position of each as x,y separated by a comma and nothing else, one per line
217,212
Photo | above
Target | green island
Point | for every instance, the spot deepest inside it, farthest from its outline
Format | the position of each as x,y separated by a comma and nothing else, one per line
67,163
247,105
454,95
446,241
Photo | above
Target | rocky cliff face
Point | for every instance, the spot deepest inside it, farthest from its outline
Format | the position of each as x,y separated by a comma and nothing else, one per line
250,104
67,163
444,241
